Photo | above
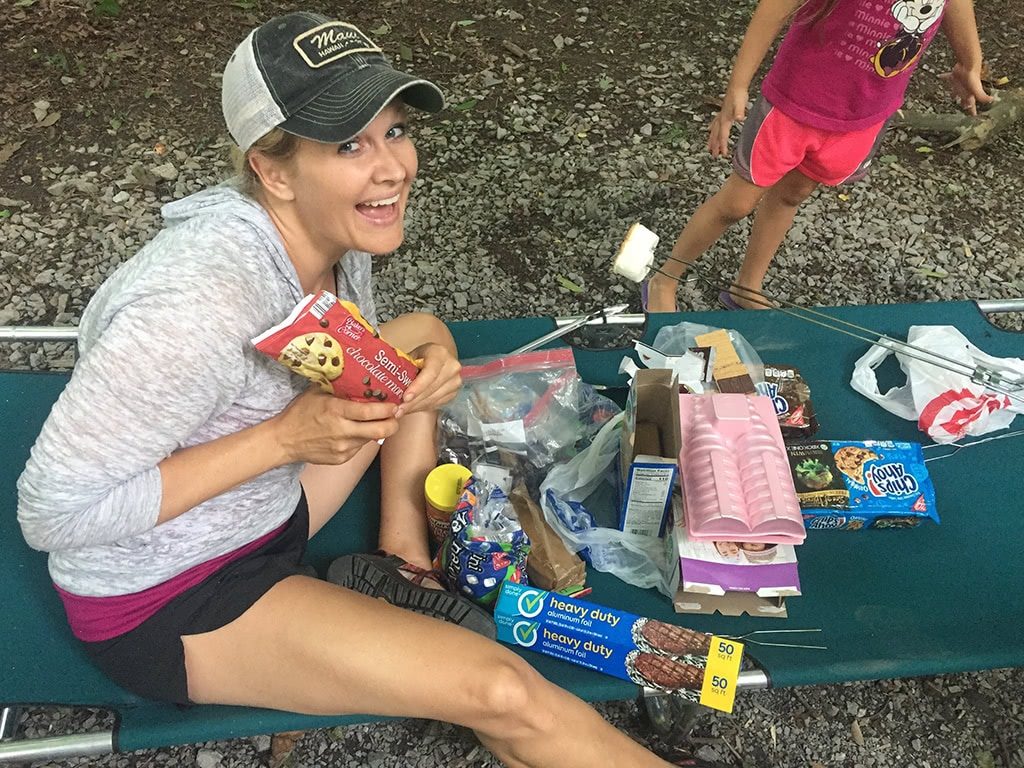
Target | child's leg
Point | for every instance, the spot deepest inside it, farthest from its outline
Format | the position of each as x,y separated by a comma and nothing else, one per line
772,221
735,200
312,647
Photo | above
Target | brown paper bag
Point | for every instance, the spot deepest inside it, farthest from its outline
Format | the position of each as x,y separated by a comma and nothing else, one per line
550,565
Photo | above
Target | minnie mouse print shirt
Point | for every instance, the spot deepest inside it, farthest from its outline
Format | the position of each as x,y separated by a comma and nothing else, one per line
850,70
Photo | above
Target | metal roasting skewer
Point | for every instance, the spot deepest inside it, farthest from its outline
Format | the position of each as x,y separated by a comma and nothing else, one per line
997,380
571,326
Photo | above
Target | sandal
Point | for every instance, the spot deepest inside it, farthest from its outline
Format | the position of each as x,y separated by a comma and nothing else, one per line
381,576
726,300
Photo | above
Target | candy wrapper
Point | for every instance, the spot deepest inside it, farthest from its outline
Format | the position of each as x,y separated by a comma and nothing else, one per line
791,397
486,545
329,342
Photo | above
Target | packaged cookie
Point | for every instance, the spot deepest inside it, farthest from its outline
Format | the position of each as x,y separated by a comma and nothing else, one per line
791,397
851,485
330,343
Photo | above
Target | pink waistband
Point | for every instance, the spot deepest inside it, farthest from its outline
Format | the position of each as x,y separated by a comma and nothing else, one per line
101,618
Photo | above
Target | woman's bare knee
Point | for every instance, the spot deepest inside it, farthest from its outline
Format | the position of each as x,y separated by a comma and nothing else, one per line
412,329
507,696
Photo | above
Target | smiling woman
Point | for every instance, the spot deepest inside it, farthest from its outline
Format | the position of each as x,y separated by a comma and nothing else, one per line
176,530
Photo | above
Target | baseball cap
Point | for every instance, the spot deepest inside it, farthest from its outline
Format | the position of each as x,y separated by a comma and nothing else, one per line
317,78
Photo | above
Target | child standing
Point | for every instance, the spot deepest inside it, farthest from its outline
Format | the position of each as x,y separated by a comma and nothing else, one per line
839,75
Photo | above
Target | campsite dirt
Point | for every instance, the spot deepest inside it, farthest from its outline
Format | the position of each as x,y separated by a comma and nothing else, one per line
566,123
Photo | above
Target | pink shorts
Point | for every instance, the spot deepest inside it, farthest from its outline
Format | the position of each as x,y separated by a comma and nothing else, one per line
772,144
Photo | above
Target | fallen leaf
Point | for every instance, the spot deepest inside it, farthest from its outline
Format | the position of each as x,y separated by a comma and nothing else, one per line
887,159
465,106
985,759
465,22
858,736
160,149
405,52
7,150
49,120
1002,81
568,284
382,30
844,197
925,150
39,109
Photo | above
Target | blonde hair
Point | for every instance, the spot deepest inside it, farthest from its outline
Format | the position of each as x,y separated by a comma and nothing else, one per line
277,144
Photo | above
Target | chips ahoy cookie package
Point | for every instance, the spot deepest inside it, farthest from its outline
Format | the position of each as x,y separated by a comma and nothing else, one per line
330,343
850,485
644,651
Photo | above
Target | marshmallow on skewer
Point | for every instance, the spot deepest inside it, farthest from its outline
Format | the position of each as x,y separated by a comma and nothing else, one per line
636,254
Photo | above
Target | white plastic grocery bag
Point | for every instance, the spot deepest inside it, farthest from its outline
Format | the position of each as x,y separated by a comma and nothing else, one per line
946,405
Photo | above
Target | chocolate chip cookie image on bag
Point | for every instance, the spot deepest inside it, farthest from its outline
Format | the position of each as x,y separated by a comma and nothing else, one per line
668,639
662,673
317,356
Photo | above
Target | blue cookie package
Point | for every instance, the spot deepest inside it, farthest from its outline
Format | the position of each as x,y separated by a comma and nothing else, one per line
851,485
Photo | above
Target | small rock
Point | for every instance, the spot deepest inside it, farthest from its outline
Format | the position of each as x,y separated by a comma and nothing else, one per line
166,171
208,758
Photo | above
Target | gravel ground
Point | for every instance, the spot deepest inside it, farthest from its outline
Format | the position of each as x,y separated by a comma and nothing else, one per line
527,184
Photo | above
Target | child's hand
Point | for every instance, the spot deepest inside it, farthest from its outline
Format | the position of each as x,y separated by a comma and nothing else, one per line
965,82
734,109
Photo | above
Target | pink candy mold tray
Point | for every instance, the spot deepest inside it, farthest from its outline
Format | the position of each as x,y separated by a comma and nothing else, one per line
736,480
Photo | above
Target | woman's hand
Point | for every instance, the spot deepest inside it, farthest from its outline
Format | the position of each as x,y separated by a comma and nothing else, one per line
734,109
437,382
319,428
965,82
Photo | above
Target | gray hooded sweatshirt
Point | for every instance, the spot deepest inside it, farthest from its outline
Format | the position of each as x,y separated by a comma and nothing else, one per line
165,363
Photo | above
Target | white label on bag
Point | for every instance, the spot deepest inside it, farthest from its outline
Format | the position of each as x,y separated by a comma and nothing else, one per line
499,476
507,432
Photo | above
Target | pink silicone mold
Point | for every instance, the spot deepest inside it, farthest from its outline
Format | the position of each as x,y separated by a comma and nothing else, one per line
735,475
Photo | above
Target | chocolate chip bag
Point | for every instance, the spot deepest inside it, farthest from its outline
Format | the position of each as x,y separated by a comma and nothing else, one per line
330,343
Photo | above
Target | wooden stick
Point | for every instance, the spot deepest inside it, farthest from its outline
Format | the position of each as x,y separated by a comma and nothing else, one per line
971,132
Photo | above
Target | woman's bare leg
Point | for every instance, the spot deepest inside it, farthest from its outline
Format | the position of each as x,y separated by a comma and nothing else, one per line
313,647
735,200
772,221
406,457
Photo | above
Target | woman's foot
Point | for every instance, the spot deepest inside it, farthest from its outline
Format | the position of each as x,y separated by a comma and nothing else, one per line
408,586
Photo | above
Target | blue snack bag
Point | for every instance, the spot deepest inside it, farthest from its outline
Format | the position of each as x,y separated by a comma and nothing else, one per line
486,546
851,485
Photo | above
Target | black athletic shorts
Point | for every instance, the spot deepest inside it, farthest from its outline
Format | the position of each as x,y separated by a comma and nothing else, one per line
150,659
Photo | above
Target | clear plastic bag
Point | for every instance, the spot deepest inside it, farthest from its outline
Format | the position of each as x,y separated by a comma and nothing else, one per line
579,499
677,339
517,416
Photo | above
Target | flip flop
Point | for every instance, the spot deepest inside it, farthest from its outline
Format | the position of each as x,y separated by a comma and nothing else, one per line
726,300
382,576
643,296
